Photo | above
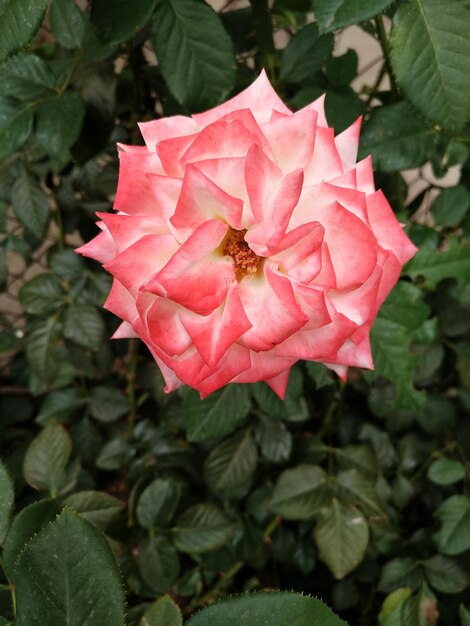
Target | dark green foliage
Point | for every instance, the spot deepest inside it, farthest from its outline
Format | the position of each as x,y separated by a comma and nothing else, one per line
356,492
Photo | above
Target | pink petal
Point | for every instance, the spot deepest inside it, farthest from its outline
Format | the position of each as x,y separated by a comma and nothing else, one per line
197,276
121,302
127,229
102,248
326,162
318,106
125,331
168,127
359,305
134,192
365,176
386,228
279,383
292,139
264,366
165,328
353,355
347,143
143,259
220,140
259,97
351,244
201,200
171,152
299,252
214,334
272,309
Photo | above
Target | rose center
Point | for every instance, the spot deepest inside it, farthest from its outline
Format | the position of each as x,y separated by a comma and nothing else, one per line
244,259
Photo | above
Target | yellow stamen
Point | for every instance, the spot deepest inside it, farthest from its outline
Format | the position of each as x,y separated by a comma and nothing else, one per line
246,262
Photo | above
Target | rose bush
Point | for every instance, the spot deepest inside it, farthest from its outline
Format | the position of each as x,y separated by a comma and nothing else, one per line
246,238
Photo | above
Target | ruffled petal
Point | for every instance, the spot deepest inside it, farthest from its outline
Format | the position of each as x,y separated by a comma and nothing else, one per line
197,276
299,252
201,200
386,228
134,192
347,144
326,162
143,259
167,127
215,333
259,97
102,248
272,309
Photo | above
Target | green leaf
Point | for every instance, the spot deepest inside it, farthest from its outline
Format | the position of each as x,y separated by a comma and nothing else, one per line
392,333
450,206
401,572
121,20
58,123
163,612
445,575
158,503
114,454
355,489
446,472
27,77
435,266
232,463
201,528
454,534
159,564
342,70
42,294
47,457
30,204
334,14
84,326
392,607
397,138
60,405
20,20
107,404
429,54
7,496
195,54
464,615
67,23
97,507
65,263
305,54
275,440
25,525
218,415
299,492
68,573
342,535
16,124
320,374
42,348
276,608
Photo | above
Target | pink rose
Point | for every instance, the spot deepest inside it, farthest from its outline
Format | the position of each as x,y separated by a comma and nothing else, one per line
246,238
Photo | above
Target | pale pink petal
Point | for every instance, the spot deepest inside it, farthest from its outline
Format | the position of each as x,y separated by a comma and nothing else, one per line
318,106
326,162
347,143
365,176
215,333
102,248
272,309
259,97
165,327
121,302
197,276
292,139
340,370
134,192
359,304
127,229
143,259
386,228
201,200
125,331
279,383
299,252
171,152
220,140
264,366
168,127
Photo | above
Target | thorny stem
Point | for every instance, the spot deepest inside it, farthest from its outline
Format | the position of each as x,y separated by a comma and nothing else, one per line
227,577
130,389
383,40
264,36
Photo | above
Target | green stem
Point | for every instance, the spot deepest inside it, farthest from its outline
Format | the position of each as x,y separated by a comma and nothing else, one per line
383,40
11,587
264,36
130,389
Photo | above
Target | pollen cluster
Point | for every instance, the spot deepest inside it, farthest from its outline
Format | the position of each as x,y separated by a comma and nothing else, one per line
245,261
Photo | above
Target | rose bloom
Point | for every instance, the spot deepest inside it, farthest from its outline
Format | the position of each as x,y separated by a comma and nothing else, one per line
246,238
